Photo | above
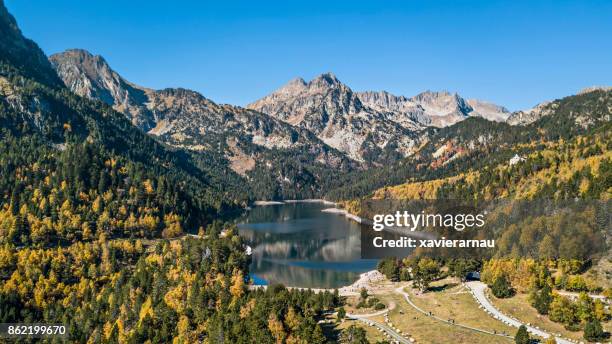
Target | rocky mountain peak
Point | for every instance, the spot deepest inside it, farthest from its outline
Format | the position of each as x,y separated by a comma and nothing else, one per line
89,62
336,114
325,80
298,100
90,76
294,86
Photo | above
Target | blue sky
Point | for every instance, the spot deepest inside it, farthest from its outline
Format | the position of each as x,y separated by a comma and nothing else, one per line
514,53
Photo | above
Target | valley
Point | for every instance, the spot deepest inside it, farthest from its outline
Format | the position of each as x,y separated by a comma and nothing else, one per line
140,215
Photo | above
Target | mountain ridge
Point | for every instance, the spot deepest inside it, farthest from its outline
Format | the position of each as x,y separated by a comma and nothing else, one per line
249,142
336,115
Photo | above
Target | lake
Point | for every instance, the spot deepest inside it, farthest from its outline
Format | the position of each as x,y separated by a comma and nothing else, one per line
298,245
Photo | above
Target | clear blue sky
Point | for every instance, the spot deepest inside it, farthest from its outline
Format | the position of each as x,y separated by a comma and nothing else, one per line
514,53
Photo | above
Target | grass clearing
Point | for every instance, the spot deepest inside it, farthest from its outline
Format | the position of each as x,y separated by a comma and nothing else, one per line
428,330
455,302
518,307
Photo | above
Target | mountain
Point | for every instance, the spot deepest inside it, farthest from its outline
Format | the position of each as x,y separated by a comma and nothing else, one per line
74,152
336,115
474,143
91,77
362,124
524,117
438,109
248,142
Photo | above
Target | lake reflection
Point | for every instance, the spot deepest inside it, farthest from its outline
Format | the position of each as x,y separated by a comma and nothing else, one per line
298,245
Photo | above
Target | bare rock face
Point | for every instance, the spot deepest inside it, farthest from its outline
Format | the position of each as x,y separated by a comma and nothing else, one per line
438,109
356,122
399,109
91,77
525,117
336,115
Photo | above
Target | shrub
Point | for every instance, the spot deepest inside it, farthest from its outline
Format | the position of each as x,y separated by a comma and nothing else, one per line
379,306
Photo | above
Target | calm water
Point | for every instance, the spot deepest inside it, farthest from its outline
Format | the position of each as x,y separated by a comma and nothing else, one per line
298,245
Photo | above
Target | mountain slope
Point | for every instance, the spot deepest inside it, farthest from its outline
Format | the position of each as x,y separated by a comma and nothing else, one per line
333,112
91,77
475,143
246,141
73,153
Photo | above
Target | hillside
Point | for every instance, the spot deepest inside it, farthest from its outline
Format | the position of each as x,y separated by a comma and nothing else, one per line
248,142
92,219
336,115
475,143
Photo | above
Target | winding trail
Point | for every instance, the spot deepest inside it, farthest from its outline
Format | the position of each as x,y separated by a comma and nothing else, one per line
393,333
478,291
406,296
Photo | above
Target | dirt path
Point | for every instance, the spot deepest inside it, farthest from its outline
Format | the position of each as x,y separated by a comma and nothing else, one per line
478,291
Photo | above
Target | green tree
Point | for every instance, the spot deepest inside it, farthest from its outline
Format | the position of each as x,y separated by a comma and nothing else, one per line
363,293
522,336
425,271
593,331
501,288
341,313
543,299
353,335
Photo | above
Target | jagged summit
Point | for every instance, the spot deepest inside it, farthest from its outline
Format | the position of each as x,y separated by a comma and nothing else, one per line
336,114
90,76
328,79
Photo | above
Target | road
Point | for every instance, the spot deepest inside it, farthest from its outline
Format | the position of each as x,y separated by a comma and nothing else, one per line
364,318
592,296
406,296
478,291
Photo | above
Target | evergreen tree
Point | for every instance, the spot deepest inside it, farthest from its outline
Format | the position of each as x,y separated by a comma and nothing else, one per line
543,299
522,336
353,335
501,288
593,331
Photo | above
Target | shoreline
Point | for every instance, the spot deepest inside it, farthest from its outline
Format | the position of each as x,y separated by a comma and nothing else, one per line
365,280
264,203
346,214
290,201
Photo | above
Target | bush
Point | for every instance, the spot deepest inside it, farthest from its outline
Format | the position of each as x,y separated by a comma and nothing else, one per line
341,313
372,301
363,293
379,306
